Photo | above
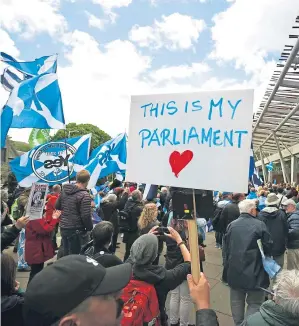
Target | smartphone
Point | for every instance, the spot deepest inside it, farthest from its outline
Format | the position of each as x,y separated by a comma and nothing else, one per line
162,229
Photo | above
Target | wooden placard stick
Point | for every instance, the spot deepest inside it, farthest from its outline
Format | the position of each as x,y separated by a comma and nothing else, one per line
193,244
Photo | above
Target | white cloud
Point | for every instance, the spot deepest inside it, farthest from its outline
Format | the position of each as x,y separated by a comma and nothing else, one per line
31,17
94,21
179,72
110,4
246,33
99,90
175,31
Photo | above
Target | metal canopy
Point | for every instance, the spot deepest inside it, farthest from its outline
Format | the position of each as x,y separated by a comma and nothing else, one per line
276,122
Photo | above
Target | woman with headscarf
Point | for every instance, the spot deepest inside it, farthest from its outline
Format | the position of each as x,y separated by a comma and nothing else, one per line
143,253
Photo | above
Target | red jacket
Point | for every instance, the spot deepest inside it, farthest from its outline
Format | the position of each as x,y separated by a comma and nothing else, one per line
50,206
38,243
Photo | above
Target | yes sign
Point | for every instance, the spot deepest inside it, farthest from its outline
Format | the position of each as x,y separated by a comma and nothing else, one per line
193,140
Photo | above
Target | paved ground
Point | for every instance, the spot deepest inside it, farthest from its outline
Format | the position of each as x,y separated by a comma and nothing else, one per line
212,268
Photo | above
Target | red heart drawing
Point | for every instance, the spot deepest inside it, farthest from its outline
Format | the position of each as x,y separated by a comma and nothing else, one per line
179,161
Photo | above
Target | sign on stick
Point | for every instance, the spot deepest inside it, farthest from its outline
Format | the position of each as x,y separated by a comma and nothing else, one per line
194,140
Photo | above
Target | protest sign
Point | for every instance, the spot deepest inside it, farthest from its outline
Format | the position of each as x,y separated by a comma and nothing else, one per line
37,201
194,140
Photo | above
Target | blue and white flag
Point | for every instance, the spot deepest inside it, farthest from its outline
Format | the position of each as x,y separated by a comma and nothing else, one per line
34,103
150,192
52,162
9,79
46,64
108,158
253,173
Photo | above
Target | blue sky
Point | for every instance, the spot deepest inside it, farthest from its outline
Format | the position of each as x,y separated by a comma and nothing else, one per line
111,49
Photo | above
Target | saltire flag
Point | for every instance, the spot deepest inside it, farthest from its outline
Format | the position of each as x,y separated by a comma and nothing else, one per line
253,173
34,103
52,162
150,192
108,158
9,79
46,64
38,137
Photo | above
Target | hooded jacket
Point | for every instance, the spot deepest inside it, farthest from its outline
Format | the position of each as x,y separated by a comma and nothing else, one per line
12,310
293,236
75,204
271,314
242,259
143,252
276,222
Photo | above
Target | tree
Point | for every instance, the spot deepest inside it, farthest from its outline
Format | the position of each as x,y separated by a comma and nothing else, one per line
75,130
21,146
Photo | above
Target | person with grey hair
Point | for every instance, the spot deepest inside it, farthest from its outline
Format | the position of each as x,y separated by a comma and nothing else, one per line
133,209
243,261
284,308
110,206
293,236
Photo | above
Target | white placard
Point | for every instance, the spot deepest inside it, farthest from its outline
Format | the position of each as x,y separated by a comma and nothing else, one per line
37,200
193,140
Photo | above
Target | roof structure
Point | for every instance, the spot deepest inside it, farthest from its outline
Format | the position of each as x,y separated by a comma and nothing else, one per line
276,122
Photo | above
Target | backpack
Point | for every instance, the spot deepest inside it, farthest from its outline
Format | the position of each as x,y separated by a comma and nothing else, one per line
141,305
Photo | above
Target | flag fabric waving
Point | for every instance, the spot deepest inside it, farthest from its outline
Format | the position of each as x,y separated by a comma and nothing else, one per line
38,137
108,158
253,173
46,64
52,161
34,103
9,79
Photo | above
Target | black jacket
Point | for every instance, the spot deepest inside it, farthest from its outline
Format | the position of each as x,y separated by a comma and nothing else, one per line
173,255
134,209
293,236
163,280
229,213
8,236
104,257
75,204
277,225
110,209
206,317
243,260
12,310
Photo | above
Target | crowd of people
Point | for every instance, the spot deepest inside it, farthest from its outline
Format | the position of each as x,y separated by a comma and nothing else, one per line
89,284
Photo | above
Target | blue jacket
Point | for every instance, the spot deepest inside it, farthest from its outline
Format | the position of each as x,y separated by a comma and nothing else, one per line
293,236
252,195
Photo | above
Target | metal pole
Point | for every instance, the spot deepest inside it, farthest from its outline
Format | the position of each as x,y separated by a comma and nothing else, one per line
263,167
283,121
284,71
66,153
283,168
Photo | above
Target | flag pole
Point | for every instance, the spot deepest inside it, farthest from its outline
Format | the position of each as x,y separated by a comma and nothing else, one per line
66,152
193,243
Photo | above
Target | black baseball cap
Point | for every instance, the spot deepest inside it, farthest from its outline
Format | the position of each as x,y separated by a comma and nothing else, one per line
61,287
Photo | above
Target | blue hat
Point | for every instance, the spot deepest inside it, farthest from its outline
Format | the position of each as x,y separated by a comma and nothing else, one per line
225,193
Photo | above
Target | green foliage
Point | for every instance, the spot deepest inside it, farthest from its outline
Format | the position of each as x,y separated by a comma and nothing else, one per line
21,146
74,130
